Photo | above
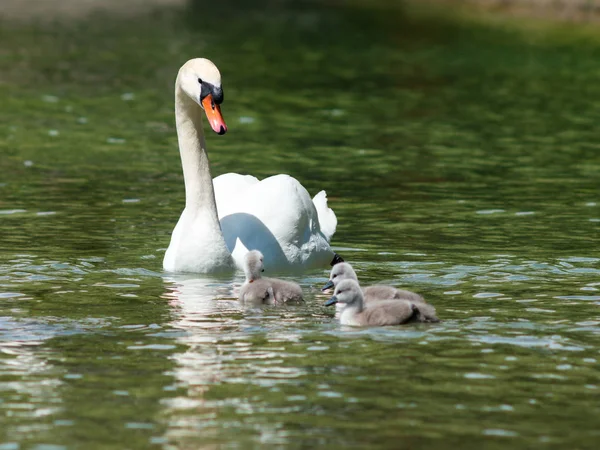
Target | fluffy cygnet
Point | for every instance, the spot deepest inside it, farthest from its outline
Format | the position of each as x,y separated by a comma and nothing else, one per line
344,271
376,313
270,291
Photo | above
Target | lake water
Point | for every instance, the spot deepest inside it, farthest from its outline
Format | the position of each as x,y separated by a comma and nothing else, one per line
462,160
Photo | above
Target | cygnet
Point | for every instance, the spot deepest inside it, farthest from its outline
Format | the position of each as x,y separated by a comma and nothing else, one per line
354,312
344,271
258,290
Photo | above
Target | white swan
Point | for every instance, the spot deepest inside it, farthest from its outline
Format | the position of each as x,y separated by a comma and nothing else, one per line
225,217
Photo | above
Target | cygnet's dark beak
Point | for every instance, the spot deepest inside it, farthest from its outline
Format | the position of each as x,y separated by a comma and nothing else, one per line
331,301
328,285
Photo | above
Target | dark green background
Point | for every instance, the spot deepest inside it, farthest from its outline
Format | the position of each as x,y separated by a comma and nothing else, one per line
461,158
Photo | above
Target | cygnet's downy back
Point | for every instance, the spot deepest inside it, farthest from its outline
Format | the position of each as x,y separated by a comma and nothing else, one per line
259,290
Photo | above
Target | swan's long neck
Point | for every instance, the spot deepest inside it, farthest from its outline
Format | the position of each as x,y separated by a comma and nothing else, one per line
197,244
199,191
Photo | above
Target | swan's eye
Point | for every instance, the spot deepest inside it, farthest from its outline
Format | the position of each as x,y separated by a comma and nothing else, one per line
200,80
334,275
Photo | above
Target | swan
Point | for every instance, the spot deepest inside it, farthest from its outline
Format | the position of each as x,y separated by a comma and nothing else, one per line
225,217
257,289
376,313
344,271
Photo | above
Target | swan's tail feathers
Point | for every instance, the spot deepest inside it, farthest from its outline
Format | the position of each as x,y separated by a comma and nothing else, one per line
327,218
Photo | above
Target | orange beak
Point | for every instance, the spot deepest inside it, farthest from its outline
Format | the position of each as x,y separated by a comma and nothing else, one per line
213,114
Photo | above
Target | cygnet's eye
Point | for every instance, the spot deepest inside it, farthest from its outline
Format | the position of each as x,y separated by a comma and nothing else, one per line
334,275
200,80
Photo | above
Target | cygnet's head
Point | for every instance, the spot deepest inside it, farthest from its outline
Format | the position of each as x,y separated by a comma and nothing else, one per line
200,79
339,272
347,293
253,265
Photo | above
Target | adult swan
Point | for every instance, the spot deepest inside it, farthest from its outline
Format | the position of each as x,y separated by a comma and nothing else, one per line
226,217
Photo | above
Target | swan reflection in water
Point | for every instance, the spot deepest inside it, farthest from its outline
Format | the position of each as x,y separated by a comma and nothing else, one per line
216,333
201,301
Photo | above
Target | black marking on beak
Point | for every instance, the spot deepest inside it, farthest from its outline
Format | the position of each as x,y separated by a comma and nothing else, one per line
216,92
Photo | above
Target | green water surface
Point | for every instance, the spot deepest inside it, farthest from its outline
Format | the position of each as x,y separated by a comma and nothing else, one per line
462,161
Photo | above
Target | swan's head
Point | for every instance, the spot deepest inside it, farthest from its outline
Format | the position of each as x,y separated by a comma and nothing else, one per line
347,293
339,272
200,79
253,265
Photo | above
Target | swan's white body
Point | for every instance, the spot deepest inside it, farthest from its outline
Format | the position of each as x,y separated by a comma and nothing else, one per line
226,217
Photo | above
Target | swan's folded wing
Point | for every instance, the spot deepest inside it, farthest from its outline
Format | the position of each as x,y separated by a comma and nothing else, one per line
276,216
327,218
281,203
228,188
